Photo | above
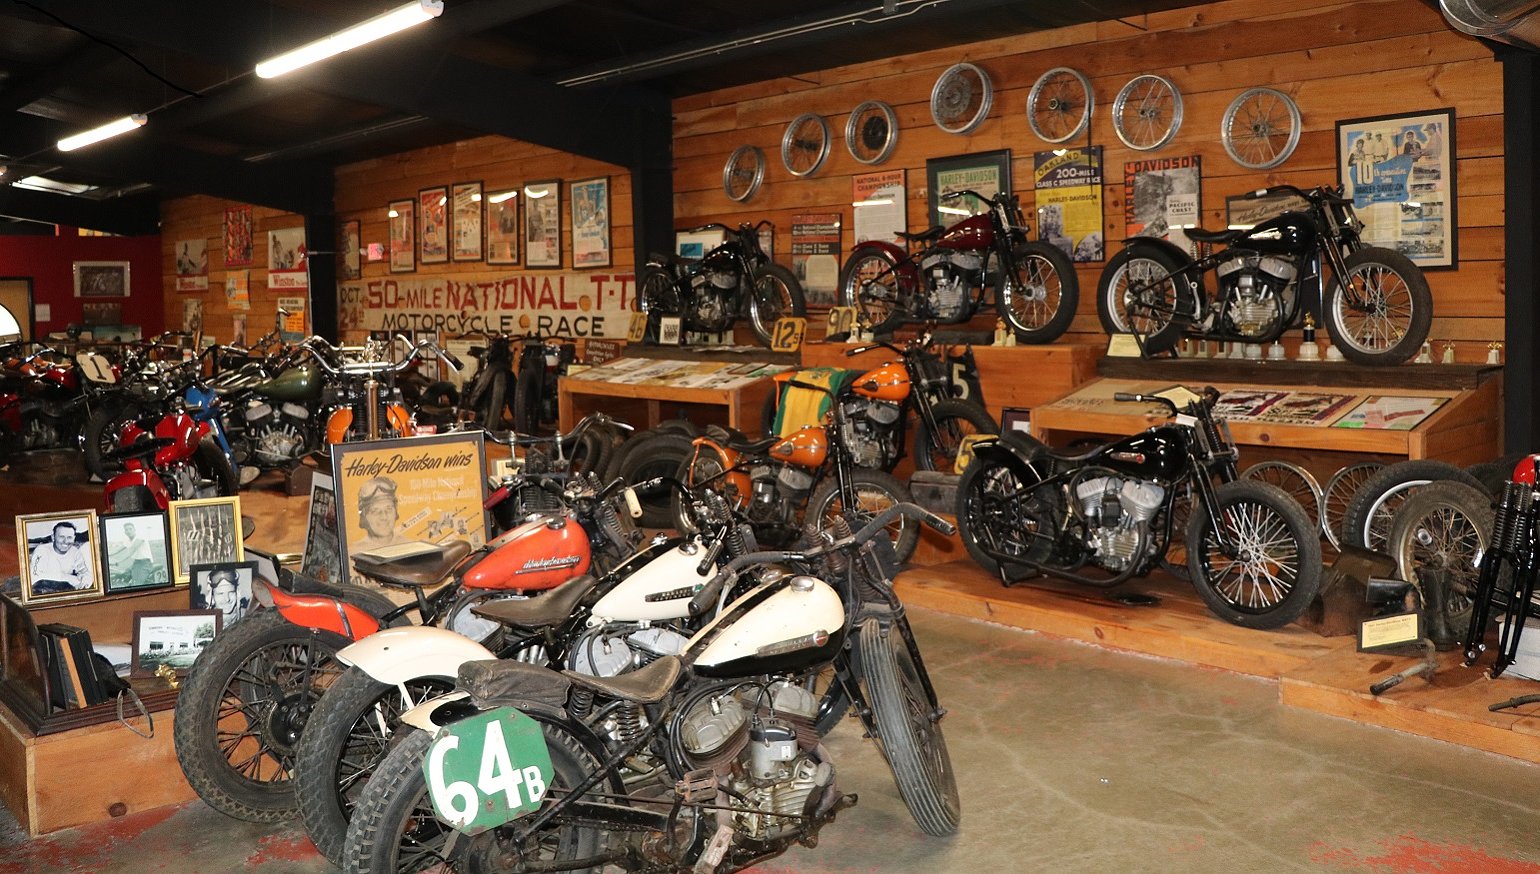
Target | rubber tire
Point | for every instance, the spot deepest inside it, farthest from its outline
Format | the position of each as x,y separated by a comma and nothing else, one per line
98,424
681,426
661,455
1417,289
398,784
847,291
1110,311
1069,294
1493,475
797,301
617,457
1475,505
827,493
945,411
1393,479
526,402
894,692
133,499
319,757
213,464
195,733
1307,538
657,284
974,478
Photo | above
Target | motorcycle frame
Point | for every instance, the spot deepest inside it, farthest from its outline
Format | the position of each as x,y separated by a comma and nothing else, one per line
924,393
741,245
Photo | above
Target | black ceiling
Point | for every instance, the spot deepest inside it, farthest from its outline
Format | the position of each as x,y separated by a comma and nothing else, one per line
592,77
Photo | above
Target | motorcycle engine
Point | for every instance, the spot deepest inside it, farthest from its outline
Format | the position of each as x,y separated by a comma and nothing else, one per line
276,435
766,758
712,298
949,276
1254,285
869,431
1117,513
775,490
607,652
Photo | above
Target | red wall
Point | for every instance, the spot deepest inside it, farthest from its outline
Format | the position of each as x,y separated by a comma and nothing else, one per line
48,262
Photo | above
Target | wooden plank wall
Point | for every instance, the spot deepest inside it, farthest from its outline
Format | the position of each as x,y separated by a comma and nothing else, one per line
1338,60
363,191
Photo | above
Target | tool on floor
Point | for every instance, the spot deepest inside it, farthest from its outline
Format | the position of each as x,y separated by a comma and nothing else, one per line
1425,668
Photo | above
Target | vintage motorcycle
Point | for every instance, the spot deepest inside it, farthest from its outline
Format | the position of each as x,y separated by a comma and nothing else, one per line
945,278
491,387
542,361
1252,553
176,458
1377,307
734,280
725,765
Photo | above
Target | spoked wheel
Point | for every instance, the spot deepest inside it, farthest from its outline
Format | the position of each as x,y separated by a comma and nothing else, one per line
997,515
1371,510
1380,311
1273,570
908,730
869,283
875,491
1298,483
1338,491
242,709
1038,298
349,734
657,297
776,294
1136,295
396,829
955,420
1445,527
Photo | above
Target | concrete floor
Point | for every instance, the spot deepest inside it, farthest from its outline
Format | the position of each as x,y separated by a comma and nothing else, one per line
1070,758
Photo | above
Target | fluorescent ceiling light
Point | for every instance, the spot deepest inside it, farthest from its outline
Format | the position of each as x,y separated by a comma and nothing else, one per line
502,196
536,193
877,201
952,210
382,25
43,183
106,131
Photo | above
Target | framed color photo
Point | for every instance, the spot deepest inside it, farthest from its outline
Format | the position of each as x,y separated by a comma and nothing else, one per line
503,227
204,531
984,172
433,225
391,492
58,555
542,223
465,226
172,638
591,222
136,551
403,236
1400,172
238,245
101,279
349,261
224,587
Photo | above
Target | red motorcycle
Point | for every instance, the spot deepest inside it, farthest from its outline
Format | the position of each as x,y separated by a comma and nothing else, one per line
44,402
176,460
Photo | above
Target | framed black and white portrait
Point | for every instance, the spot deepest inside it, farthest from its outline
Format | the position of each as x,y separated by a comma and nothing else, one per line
204,531
225,587
58,557
171,638
136,551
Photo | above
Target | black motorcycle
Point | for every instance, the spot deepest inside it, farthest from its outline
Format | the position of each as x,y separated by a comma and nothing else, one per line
735,279
490,391
1022,506
1377,306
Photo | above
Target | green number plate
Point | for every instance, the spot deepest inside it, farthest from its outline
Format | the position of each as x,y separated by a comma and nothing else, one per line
488,770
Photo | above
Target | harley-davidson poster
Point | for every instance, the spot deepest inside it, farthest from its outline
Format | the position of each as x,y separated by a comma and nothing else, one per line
1161,198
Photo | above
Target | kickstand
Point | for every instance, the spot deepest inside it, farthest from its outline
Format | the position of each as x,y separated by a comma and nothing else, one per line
1009,581
1426,667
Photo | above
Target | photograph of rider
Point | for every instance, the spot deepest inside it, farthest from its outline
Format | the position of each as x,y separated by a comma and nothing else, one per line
60,556
223,587
378,513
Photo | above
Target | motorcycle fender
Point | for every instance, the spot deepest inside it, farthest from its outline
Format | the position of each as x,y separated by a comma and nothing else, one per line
324,613
902,265
995,450
421,716
395,655
141,478
1181,257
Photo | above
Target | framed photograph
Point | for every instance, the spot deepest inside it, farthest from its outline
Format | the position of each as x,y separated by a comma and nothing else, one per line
1015,419
591,222
192,266
238,245
101,279
542,223
58,554
391,492
433,225
204,531
1400,172
320,556
172,638
465,226
136,551
502,227
225,587
984,172
403,236
349,258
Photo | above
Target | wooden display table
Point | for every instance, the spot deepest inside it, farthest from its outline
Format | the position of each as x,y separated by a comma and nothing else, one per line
644,392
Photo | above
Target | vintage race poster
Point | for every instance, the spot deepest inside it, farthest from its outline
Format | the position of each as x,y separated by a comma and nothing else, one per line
878,200
403,236
503,227
815,255
1400,172
288,266
542,224
238,239
1161,198
413,489
1069,201
591,222
433,225
192,265
238,290
587,304
295,325
466,224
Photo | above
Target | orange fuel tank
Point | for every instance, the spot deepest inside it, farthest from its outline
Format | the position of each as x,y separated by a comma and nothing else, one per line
397,419
541,554
709,460
806,447
890,382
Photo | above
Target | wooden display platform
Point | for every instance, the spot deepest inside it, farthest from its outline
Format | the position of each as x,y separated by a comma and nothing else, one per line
646,404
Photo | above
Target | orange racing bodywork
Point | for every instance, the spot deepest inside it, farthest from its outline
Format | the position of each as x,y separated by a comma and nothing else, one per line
325,613
807,447
735,483
889,382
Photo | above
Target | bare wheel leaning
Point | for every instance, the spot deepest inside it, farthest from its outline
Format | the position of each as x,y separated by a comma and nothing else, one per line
1060,104
1339,490
1261,128
1147,113
1298,483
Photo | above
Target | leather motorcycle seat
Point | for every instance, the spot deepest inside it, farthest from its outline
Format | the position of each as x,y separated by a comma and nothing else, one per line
645,685
1035,448
1224,237
423,571
546,611
923,236
738,441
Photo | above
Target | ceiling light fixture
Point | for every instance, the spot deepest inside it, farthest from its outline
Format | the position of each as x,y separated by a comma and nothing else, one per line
502,196
536,193
378,27
106,131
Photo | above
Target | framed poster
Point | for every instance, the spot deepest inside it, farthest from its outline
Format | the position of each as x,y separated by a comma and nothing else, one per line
192,266
101,279
403,236
348,256
320,555
502,227
1069,201
542,223
1162,197
238,238
815,255
204,531
390,492
879,201
433,225
1399,170
987,173
58,556
136,551
288,260
465,225
591,222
